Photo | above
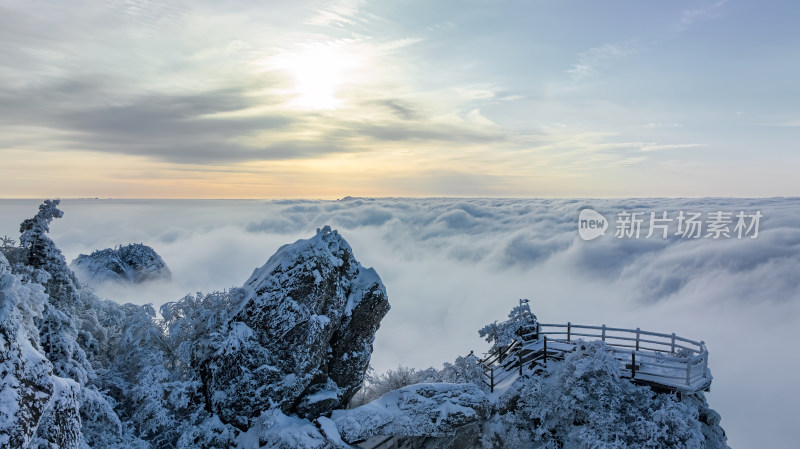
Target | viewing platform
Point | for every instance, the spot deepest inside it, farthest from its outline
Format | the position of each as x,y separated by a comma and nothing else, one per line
662,361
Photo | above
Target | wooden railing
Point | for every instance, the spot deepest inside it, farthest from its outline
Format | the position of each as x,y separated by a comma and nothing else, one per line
665,360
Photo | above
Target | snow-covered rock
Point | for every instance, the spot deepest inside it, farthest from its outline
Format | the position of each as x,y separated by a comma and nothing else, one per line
133,263
429,410
302,338
582,402
275,430
61,425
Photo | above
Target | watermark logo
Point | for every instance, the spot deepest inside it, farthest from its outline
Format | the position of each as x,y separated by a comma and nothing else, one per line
665,224
591,224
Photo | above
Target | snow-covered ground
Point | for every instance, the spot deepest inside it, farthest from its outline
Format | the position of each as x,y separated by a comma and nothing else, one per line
450,266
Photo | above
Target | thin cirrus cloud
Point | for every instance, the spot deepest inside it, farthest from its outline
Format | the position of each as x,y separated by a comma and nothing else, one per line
656,147
689,16
592,62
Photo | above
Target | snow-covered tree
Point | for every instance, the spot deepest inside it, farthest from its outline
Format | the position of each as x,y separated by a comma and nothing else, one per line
194,326
26,383
520,319
138,378
42,253
465,369
7,242
59,340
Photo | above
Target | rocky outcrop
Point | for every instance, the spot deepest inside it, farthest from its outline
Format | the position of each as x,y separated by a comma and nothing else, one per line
301,340
425,410
133,263
61,426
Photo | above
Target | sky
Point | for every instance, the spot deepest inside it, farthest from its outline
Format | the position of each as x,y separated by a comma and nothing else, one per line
480,98
450,266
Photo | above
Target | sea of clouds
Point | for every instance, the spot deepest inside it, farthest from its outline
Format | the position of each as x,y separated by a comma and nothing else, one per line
452,265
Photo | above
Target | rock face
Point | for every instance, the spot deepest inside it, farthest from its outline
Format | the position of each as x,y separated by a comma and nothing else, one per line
302,338
429,410
133,263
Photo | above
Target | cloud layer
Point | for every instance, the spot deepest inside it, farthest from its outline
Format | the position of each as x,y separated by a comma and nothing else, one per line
452,265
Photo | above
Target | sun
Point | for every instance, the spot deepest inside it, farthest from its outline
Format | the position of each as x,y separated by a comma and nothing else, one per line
316,75
316,78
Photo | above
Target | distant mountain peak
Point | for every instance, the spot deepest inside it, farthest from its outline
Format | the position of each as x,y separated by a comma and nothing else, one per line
134,263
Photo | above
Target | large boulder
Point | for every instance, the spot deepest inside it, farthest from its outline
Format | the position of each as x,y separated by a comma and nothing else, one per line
423,410
301,339
133,263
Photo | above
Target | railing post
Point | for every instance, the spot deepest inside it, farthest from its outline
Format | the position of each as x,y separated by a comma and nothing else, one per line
705,359
491,379
689,371
633,365
569,329
637,338
545,350
603,336
673,342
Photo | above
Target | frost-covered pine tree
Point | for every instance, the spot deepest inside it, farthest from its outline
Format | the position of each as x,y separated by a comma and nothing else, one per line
25,374
54,322
520,319
42,253
57,325
194,326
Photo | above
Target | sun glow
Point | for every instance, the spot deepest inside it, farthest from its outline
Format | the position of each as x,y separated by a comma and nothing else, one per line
317,75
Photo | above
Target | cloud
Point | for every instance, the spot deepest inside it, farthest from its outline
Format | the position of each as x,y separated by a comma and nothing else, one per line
426,132
201,96
526,233
690,16
663,125
185,128
339,12
593,61
401,109
215,126
786,124
180,84
679,146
